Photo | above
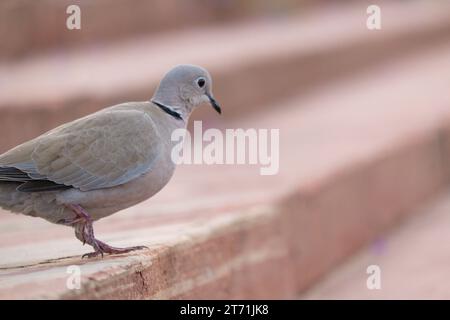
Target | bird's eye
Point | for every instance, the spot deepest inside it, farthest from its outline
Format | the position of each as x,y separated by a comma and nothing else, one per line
201,82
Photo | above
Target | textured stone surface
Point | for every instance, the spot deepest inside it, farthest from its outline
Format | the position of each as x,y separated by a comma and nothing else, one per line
354,160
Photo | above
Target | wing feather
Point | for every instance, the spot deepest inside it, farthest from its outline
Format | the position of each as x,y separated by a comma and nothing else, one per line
103,150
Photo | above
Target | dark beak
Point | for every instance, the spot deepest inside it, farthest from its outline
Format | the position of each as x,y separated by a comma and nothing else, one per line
214,104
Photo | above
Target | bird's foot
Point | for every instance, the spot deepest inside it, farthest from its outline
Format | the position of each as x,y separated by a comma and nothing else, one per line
102,248
84,230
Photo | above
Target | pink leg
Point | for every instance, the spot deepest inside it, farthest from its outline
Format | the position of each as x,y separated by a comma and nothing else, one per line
84,231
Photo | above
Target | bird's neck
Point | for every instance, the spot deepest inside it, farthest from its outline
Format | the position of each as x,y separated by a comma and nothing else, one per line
172,104
176,114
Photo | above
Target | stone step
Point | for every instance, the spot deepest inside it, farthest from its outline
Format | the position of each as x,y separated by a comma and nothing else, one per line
412,259
27,26
354,159
254,65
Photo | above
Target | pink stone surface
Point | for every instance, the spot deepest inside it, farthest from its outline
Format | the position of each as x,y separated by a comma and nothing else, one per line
413,259
28,27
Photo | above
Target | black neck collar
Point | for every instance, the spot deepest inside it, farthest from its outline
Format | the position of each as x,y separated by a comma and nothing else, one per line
167,110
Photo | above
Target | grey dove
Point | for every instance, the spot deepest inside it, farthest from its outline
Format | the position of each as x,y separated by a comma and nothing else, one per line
110,160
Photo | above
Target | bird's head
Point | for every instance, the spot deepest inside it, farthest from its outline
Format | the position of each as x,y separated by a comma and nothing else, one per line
184,87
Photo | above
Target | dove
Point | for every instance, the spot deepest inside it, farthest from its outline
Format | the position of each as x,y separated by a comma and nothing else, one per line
110,160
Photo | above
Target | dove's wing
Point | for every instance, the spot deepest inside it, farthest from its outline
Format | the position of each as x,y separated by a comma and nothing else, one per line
102,150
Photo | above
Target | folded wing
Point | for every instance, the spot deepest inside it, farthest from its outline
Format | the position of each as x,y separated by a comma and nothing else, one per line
102,150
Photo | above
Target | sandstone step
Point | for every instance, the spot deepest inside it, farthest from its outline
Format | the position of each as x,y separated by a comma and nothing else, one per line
354,159
412,259
28,26
254,65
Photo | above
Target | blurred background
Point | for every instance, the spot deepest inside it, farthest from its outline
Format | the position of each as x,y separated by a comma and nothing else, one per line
364,118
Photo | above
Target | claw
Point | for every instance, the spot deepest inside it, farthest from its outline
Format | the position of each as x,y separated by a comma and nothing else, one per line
104,248
91,254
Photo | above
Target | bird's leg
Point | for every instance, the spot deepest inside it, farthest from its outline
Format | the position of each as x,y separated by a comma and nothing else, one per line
80,221
80,215
84,231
